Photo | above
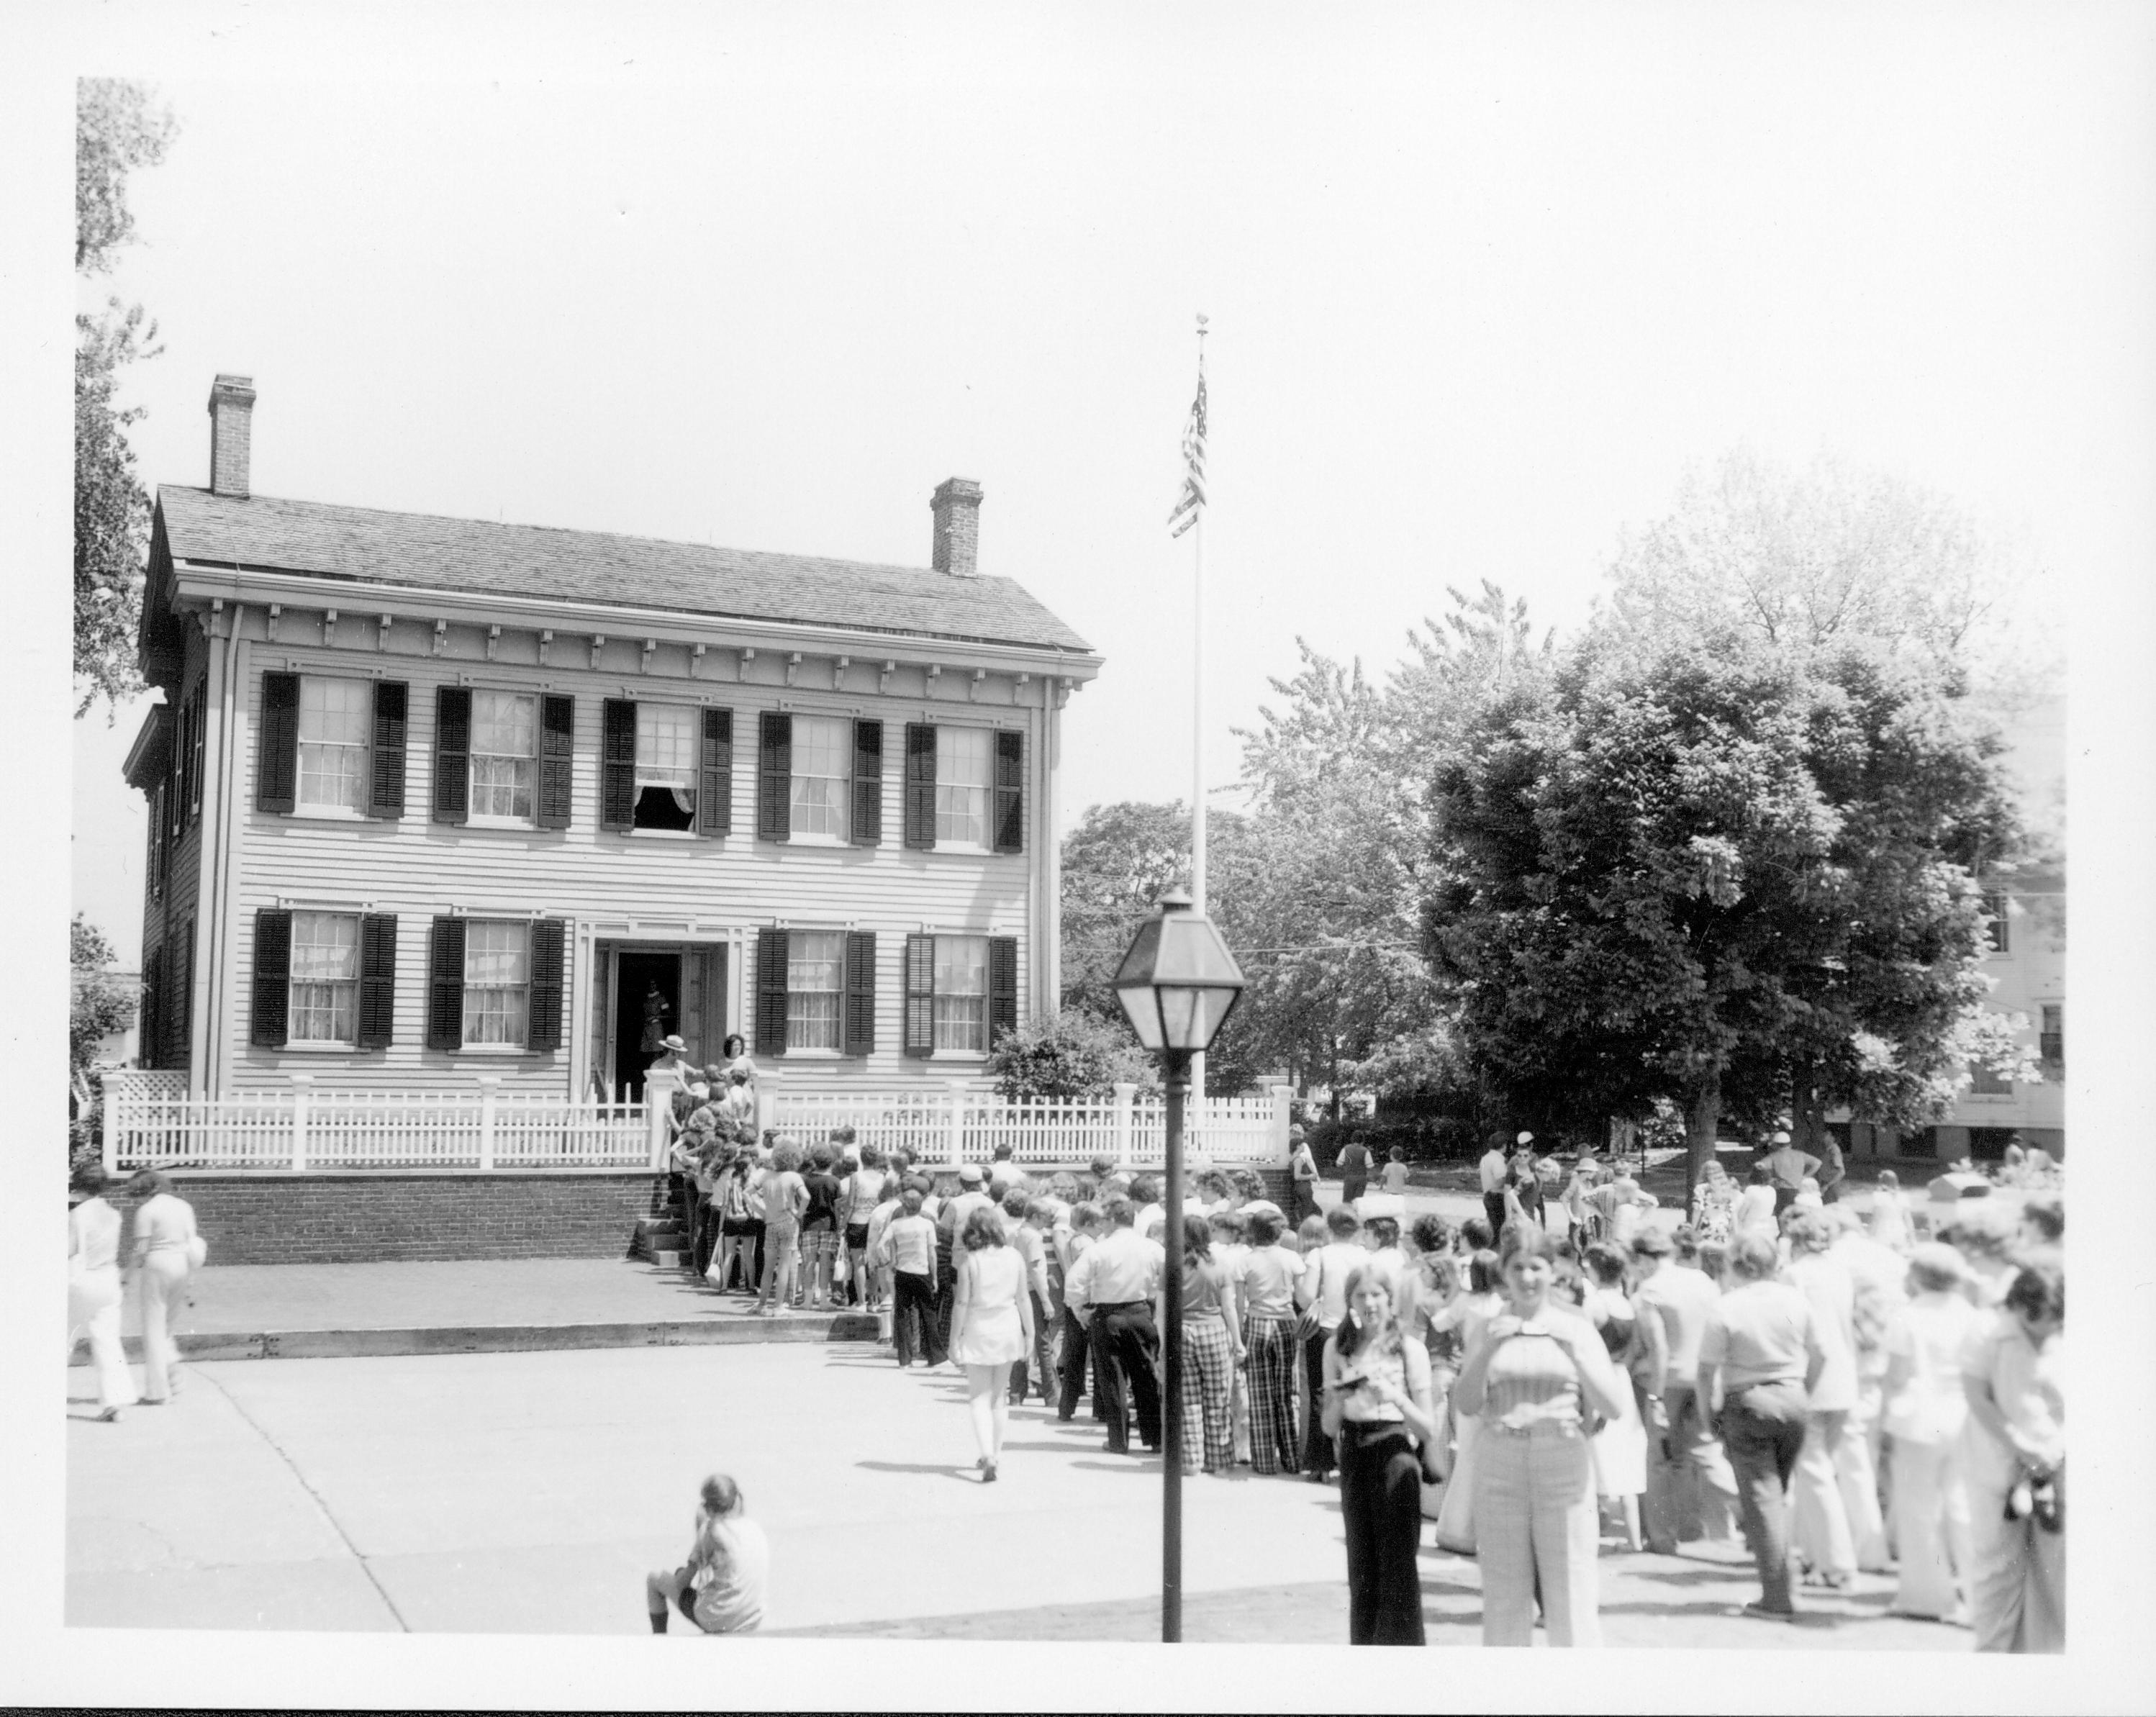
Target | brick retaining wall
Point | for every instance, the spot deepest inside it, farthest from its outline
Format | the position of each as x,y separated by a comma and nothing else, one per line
365,1218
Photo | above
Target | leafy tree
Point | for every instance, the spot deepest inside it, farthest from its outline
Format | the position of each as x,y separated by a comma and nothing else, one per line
118,128
1701,868
101,1008
1075,1055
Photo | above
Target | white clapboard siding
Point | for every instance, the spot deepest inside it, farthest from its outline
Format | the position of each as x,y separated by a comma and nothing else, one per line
416,868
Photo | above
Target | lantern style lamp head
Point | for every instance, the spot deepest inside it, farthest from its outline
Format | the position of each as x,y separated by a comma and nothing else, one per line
1179,982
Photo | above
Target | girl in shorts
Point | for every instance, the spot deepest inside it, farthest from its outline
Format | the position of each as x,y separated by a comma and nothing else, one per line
785,1201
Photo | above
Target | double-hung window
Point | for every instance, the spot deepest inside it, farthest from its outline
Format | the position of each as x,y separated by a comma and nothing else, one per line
325,978
1996,909
505,750
497,982
815,985
666,767
965,788
337,720
965,779
2051,1039
960,991
822,776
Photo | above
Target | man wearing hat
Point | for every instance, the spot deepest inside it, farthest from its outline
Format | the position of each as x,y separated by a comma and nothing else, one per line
1787,1166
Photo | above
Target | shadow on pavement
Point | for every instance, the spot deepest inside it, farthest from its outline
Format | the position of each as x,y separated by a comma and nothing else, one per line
946,1468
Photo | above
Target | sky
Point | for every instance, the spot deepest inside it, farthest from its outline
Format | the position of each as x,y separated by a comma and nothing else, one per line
1485,282
1483,286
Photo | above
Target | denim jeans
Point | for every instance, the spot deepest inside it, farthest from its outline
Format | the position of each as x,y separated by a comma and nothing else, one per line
1763,1428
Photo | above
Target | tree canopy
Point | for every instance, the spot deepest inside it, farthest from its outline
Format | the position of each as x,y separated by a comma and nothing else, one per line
118,128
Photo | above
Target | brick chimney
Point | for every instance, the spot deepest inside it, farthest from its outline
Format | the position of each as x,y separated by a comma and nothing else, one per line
955,547
231,419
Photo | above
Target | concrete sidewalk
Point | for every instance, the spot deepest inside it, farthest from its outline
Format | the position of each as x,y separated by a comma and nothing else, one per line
352,1310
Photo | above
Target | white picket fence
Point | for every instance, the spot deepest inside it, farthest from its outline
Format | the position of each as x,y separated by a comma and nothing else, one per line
965,1124
481,1129
294,1131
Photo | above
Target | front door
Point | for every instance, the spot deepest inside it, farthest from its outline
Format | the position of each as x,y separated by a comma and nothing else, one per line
647,1009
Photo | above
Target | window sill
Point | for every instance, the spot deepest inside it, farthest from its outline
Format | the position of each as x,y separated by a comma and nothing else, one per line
815,1055
964,850
328,813
493,1052
661,834
521,825
974,1055
316,1047
817,840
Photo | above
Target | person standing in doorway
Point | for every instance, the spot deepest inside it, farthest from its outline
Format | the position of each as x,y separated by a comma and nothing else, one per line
165,1250
94,1290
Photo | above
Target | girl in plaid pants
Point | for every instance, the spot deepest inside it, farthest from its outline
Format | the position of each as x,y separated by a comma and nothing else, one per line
1212,1348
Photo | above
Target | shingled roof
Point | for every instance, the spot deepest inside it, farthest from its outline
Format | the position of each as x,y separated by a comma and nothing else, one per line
425,551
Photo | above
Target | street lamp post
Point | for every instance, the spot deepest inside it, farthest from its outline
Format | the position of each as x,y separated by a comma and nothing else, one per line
1178,983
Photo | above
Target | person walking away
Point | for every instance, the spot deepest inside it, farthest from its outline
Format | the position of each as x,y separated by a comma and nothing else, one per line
785,1201
1323,1296
1924,1412
865,1193
1760,1352
1824,1543
878,1274
738,1228
165,1250
1212,1349
1023,1237
907,1249
1354,1164
1536,1375
991,1326
1075,1240
1376,1409
1112,1289
1690,1493
94,1291
1491,1170
1833,1170
2014,1450
1881,1276
1265,1290
721,1587
1465,1319
1618,1447
1303,1178
1396,1172
820,1229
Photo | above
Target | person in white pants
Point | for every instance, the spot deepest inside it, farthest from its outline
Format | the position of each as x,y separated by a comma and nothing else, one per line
94,1291
163,1254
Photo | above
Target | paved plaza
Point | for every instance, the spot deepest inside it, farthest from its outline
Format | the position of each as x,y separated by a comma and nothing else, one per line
529,1491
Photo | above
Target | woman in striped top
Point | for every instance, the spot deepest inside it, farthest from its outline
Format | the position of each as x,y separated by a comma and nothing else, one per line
1535,1378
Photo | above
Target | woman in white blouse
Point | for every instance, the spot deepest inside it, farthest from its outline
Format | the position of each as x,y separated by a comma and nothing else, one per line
1924,1411
2014,1448
165,1252
1536,1377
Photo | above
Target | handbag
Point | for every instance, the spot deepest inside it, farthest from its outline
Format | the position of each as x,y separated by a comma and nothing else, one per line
197,1251
1310,1321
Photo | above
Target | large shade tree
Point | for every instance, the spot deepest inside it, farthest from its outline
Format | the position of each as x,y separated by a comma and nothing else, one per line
1708,869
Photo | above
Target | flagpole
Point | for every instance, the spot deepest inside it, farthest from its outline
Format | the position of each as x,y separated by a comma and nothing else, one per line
1198,729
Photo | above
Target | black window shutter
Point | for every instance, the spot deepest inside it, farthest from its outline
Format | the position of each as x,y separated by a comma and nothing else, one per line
920,1034
543,1015
859,1023
920,784
774,771
557,749
277,755
868,784
385,790
183,997
770,992
445,985
452,753
145,1009
617,766
377,980
158,841
1002,987
714,776
273,976
1010,791
201,742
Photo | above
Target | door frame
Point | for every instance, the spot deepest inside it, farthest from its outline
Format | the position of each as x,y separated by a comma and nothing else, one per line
595,981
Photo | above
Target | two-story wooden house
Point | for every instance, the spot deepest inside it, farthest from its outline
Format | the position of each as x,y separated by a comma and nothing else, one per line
436,797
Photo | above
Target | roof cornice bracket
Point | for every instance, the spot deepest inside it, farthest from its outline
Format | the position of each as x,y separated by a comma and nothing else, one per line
598,643
883,677
441,636
792,665
493,641
742,658
381,637
275,610
545,638
696,661
644,663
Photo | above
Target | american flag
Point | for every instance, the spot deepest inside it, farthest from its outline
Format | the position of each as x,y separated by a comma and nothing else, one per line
1193,463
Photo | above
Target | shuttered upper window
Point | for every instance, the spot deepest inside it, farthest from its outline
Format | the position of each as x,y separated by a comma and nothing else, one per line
504,749
815,981
961,994
965,774
325,978
666,767
335,730
497,981
822,776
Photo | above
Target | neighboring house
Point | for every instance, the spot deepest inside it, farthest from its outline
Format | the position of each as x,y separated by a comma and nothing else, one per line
434,797
2027,961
